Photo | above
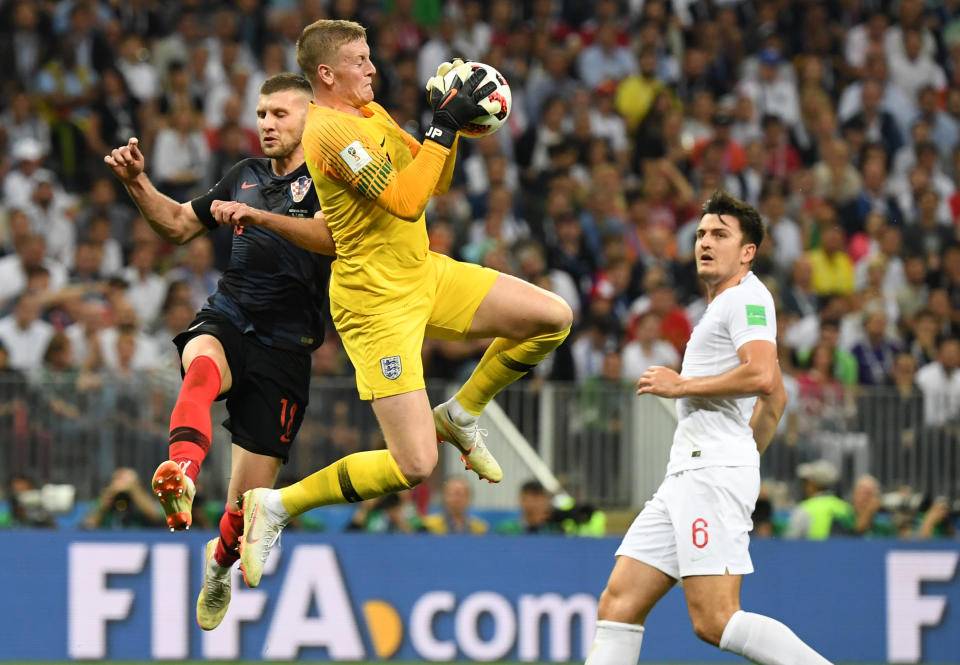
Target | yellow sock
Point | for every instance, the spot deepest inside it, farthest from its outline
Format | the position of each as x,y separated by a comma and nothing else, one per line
354,478
505,361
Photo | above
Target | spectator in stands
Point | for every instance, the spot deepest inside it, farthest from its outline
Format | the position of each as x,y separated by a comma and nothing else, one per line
772,92
876,352
63,392
869,517
924,339
146,289
197,271
675,326
535,512
873,197
21,122
532,263
940,383
181,157
605,59
13,406
821,513
913,294
114,116
124,347
599,334
785,233
87,259
139,75
638,90
124,504
391,513
939,305
935,521
175,316
102,202
800,299
832,267
911,68
927,235
24,334
647,348
26,506
108,248
944,129
879,125
836,179
25,49
20,182
455,516
177,94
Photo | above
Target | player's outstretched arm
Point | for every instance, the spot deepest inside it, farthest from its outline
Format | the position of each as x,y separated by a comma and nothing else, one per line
405,193
310,234
755,375
176,223
767,413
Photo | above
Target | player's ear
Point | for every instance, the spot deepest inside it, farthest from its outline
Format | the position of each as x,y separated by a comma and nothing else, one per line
325,73
748,252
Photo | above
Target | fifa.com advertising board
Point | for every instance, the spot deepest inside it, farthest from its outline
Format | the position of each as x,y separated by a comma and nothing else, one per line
131,596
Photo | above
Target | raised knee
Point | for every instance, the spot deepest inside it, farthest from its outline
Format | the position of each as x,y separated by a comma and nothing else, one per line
417,467
561,316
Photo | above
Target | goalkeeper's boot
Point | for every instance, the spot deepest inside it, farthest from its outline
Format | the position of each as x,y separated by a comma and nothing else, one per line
175,491
214,598
469,439
261,531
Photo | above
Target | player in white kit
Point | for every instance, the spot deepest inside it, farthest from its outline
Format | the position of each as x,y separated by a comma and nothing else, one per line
696,527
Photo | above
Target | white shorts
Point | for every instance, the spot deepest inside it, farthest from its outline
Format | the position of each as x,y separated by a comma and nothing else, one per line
697,523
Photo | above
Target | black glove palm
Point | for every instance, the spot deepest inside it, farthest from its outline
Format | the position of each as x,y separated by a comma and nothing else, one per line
458,107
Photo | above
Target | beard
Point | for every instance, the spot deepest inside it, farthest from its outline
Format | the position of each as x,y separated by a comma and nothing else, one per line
277,150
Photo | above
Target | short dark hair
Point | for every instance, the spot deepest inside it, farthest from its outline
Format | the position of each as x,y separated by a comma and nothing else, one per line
533,487
286,81
751,226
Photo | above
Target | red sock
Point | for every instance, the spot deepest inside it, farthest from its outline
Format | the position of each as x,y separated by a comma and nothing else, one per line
190,428
231,526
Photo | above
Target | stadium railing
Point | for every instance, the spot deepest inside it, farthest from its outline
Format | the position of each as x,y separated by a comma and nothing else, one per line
599,442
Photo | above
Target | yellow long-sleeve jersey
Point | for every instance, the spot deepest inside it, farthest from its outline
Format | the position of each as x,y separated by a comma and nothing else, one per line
374,181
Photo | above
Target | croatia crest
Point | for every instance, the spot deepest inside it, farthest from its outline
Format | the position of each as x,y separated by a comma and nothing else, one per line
299,188
391,367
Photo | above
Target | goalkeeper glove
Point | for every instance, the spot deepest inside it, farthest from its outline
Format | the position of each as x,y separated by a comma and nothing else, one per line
459,106
436,87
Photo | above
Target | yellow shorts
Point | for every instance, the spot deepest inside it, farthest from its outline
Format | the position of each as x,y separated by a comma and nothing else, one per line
385,348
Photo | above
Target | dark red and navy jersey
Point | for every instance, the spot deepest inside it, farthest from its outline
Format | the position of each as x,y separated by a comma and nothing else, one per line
271,288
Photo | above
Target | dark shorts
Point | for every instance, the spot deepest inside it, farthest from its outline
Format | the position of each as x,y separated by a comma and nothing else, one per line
270,391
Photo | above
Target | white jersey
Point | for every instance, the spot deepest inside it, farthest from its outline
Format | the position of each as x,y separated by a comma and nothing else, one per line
715,431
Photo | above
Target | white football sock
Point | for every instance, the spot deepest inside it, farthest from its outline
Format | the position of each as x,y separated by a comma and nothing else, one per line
274,505
615,643
459,414
766,641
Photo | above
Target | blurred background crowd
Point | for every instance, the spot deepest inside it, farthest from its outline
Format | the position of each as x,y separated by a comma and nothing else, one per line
839,121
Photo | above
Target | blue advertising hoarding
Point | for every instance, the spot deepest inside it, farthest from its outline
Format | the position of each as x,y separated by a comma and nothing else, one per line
131,595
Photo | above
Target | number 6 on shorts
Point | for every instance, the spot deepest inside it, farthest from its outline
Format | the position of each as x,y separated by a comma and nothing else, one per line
700,535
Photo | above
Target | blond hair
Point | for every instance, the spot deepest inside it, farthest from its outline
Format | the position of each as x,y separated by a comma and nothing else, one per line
320,41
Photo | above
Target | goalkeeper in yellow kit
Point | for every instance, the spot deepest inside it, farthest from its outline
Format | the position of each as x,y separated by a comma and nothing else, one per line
387,290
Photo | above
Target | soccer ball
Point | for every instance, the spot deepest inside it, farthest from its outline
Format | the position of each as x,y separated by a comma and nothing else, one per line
486,124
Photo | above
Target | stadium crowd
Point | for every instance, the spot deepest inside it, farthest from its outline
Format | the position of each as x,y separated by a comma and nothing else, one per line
840,121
